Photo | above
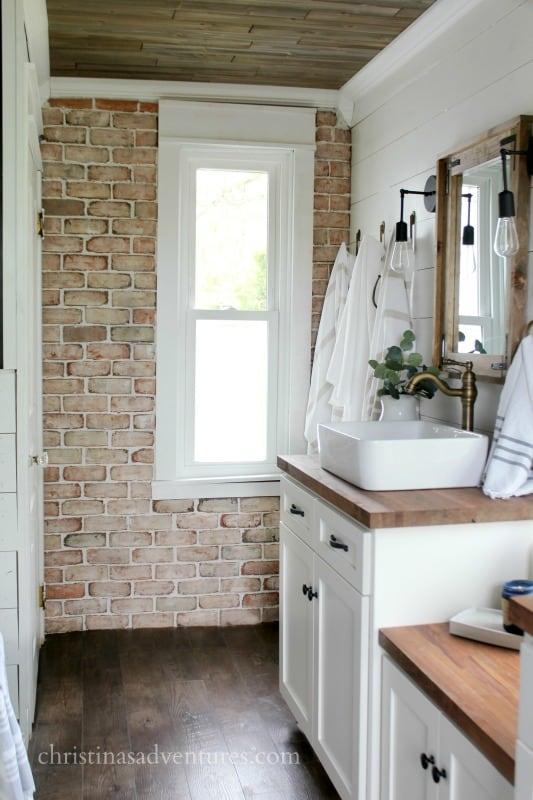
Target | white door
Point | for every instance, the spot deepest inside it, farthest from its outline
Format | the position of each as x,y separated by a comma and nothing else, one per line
29,430
341,632
296,628
410,739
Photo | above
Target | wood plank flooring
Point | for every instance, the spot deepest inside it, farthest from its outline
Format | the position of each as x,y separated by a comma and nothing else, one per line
170,714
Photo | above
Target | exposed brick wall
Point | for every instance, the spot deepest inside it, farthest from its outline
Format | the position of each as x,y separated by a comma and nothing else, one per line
113,556
332,203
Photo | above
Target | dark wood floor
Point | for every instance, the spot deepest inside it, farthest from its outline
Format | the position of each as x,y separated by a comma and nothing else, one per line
184,714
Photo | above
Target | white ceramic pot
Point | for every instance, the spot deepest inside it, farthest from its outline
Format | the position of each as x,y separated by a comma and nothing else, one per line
402,409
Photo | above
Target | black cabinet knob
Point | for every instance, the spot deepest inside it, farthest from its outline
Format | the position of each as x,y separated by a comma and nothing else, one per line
426,760
437,774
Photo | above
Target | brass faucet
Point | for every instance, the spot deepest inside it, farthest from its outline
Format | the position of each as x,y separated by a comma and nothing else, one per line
467,392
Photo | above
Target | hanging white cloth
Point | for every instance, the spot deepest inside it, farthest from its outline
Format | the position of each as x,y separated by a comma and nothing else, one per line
509,468
349,361
16,772
318,408
393,317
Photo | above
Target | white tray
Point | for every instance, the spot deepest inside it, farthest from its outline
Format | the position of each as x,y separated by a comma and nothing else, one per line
484,625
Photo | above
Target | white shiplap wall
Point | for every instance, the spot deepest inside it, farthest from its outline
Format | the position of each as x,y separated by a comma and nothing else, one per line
460,69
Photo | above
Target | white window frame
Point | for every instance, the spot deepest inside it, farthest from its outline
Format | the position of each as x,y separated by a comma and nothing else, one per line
280,139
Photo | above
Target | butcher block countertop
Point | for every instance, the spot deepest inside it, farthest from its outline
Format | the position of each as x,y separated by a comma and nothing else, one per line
403,508
521,612
475,685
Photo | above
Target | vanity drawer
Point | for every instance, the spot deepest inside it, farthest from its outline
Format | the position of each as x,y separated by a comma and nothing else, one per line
345,546
297,509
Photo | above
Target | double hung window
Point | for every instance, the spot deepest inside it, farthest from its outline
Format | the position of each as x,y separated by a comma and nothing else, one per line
234,273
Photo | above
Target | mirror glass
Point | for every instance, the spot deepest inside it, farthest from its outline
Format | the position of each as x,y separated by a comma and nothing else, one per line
480,298
481,311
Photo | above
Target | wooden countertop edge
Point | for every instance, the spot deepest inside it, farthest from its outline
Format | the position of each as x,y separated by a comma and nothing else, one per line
403,508
494,751
521,612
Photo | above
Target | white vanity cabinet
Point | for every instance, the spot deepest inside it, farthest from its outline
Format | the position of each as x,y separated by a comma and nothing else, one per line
423,755
324,635
373,560
524,745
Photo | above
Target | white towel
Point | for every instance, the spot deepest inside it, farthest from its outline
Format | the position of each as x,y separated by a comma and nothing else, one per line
393,317
510,464
17,777
318,408
349,361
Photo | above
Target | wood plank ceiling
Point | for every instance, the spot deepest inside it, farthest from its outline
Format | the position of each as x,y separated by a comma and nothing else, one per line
306,43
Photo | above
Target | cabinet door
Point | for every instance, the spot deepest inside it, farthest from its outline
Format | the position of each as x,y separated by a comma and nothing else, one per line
341,653
410,729
524,772
470,776
296,628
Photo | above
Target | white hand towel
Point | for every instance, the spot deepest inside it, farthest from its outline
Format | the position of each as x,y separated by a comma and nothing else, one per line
318,408
17,777
392,319
510,464
349,361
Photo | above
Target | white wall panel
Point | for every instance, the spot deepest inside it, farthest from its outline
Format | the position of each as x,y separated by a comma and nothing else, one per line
475,74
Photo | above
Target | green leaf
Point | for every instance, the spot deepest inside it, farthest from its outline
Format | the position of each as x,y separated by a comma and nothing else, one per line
390,363
407,340
414,359
394,353
373,363
380,371
479,347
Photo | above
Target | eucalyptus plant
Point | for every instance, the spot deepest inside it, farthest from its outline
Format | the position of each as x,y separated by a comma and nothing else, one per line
399,365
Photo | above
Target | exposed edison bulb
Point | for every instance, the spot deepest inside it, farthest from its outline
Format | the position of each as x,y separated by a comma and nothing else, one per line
468,259
506,238
400,258
400,252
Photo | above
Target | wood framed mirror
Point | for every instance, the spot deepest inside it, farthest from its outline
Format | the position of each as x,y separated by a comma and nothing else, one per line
480,298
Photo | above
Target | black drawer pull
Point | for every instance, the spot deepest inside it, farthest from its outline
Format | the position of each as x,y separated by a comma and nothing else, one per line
297,511
337,545
426,760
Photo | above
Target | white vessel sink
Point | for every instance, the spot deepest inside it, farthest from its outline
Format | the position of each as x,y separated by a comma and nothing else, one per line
385,456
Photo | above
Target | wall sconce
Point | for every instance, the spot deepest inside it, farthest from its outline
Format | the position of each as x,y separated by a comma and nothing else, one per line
506,239
400,252
468,240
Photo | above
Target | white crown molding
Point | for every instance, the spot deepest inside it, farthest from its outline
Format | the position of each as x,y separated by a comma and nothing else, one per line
150,91
414,40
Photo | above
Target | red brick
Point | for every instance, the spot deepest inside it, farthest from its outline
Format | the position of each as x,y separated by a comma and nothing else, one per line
97,622
240,616
116,105
84,333
108,351
112,138
60,591
84,474
109,208
85,154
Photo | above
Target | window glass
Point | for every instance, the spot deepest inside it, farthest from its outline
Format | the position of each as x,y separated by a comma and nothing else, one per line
230,413
231,239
